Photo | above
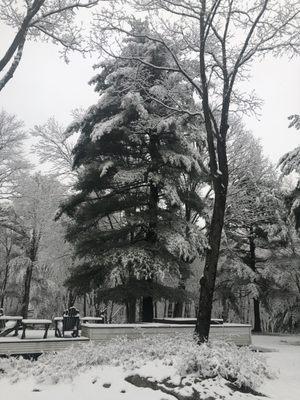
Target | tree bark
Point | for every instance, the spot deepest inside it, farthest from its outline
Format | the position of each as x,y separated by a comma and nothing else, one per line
147,309
8,249
178,309
32,255
216,143
165,308
3,290
179,305
147,302
187,310
225,309
252,263
84,305
27,285
207,282
71,298
21,34
111,312
257,320
131,311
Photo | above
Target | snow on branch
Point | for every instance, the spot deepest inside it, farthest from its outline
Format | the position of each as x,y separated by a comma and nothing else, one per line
53,21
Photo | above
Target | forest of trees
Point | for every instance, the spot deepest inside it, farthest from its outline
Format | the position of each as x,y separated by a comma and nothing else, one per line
156,199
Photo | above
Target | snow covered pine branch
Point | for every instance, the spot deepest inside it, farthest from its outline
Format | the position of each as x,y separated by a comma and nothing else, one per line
211,45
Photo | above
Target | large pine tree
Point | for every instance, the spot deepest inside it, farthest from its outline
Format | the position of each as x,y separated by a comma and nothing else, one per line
128,217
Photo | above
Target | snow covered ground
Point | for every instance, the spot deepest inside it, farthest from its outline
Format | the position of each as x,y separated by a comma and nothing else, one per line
163,378
285,362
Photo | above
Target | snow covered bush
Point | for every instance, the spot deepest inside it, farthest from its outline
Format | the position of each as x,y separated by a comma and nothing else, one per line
217,359
238,365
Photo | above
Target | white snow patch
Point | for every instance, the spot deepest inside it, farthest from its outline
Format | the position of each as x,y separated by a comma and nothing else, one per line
283,358
105,127
284,361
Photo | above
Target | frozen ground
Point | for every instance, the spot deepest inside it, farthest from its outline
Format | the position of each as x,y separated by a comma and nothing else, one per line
108,382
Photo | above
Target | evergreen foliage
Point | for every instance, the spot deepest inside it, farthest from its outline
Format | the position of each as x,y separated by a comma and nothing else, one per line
255,225
128,216
290,162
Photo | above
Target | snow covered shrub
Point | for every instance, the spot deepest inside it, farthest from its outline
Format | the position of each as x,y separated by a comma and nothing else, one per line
239,365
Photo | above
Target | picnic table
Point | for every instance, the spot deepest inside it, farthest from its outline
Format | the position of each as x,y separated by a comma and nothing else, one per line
16,320
29,322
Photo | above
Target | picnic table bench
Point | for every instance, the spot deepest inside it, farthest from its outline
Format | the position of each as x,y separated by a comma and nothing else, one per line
29,322
14,326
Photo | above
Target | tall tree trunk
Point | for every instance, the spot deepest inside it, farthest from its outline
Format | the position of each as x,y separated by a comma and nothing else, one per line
71,298
170,309
257,320
8,249
84,305
225,308
187,310
252,263
165,308
131,311
3,289
97,306
216,143
179,305
207,282
27,285
147,309
31,253
178,309
147,302
111,312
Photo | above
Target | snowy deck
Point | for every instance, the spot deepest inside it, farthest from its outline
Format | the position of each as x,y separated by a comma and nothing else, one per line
35,344
240,334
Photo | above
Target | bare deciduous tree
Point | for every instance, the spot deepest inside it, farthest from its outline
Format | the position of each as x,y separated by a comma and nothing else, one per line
55,148
46,20
35,209
9,240
212,44
12,163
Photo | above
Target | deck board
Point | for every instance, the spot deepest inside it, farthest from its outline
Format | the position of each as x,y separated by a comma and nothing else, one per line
35,344
240,334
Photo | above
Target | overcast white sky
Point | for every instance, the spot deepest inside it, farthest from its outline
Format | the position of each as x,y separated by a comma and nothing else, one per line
44,86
